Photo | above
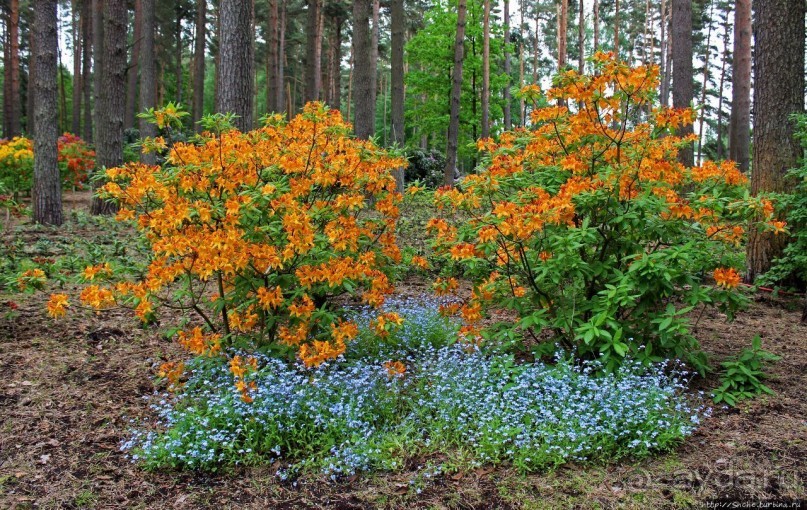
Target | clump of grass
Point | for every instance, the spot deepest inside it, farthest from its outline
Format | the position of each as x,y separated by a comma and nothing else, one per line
355,414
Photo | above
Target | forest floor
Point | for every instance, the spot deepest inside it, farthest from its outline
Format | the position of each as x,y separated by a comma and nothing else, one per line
69,389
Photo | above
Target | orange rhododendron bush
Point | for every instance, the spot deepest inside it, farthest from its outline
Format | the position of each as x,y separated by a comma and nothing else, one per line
253,234
588,227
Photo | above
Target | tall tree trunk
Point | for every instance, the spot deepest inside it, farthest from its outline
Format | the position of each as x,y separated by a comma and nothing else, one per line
596,25
364,92
521,103
740,121
131,74
97,66
29,108
14,36
707,53
374,34
234,90
7,78
335,64
663,51
562,35
75,125
313,52
148,82
778,94
486,71
198,104
271,57
508,121
47,192
109,139
62,97
86,66
581,34
456,90
683,90
667,78
398,21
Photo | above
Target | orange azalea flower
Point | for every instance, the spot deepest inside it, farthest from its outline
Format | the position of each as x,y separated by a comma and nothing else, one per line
395,368
726,277
57,305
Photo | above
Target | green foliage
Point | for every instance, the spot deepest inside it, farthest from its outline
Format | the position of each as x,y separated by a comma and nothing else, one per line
742,377
430,54
425,166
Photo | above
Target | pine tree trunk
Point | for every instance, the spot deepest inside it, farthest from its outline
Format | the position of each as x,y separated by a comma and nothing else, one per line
667,79
562,35
723,65
109,139
364,92
398,21
198,105
75,125
706,57
97,66
271,56
596,25
86,67
14,35
778,94
740,120
521,102
663,51
508,119
313,52
148,83
131,74
47,192
683,90
374,34
234,89
486,71
456,90
29,108
581,33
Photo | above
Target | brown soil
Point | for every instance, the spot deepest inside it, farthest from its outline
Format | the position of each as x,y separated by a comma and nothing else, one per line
69,388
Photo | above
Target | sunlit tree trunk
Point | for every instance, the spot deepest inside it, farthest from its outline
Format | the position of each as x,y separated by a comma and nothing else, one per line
364,93
398,21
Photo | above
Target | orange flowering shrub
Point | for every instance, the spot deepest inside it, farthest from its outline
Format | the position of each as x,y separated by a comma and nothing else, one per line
76,160
587,226
255,233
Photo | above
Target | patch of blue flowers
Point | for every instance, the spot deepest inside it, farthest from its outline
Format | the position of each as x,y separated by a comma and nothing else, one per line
352,415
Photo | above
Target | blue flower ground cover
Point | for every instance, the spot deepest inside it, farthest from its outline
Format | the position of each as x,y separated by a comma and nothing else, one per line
352,415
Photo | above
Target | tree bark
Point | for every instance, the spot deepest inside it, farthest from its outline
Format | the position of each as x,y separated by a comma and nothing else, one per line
562,35
109,139
740,120
313,52
486,71
364,92
148,82
29,108
724,64
271,57
198,104
456,90
581,35
131,74
47,192
398,22
234,90
97,65
75,125
86,67
663,52
178,49
778,94
707,53
282,106
683,90
596,25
